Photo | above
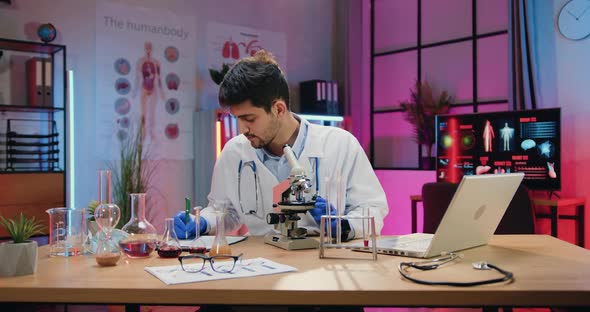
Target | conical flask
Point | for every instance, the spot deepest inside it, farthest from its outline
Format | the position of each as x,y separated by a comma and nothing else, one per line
107,216
197,245
169,246
220,245
141,235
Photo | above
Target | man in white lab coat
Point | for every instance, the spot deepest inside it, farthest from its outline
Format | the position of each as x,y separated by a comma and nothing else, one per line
257,94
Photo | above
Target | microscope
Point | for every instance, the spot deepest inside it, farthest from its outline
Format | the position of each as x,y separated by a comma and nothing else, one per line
295,199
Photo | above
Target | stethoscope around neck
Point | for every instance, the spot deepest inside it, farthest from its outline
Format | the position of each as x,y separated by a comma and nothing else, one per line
254,212
252,165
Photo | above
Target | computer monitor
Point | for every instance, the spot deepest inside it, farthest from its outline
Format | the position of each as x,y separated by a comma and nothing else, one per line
501,142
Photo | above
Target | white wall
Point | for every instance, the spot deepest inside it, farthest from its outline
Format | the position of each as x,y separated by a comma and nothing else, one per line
307,24
564,75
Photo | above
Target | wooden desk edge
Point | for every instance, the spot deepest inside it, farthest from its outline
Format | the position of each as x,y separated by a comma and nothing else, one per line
416,298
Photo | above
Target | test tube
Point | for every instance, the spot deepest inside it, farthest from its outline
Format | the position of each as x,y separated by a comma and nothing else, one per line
339,207
363,227
328,228
197,213
366,225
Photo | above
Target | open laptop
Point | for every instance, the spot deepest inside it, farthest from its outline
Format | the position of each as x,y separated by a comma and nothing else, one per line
470,220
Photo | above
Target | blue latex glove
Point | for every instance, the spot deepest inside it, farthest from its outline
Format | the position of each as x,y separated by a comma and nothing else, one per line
320,209
188,230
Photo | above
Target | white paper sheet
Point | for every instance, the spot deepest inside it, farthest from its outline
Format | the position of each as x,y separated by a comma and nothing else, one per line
174,274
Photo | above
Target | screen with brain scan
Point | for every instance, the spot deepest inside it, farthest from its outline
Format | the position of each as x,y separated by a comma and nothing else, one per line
501,142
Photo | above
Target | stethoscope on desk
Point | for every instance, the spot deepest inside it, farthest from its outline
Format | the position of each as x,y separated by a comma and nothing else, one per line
252,165
427,265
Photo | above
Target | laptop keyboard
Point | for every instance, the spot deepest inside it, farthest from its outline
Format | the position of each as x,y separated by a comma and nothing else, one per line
418,245
414,242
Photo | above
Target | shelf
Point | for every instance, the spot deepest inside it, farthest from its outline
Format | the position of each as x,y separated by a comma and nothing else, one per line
27,46
24,108
30,171
16,135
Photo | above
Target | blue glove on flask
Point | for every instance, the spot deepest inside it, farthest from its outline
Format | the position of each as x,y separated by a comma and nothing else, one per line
183,229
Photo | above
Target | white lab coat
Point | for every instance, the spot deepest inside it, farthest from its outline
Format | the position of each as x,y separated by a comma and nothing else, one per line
337,151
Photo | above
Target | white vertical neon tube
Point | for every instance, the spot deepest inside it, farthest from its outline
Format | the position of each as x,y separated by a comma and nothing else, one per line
70,179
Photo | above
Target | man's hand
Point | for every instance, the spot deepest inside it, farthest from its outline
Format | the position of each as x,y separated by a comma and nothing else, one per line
184,230
188,230
320,209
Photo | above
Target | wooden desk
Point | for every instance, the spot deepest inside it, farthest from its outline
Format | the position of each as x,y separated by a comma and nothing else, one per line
554,205
548,272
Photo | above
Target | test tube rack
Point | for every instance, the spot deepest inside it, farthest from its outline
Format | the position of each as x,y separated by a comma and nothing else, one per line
327,242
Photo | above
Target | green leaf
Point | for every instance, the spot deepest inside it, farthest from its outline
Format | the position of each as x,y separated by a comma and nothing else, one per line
421,110
131,173
22,228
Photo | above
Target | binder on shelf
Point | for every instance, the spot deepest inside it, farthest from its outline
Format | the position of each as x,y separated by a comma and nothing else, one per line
39,82
35,88
48,83
319,97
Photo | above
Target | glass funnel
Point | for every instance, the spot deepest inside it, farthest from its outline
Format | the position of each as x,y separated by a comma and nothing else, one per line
197,245
169,246
107,216
220,245
141,235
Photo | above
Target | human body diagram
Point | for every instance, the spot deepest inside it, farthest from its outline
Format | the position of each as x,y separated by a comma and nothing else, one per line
506,134
149,71
488,136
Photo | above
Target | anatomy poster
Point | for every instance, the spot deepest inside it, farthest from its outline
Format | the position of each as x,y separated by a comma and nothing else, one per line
145,65
226,44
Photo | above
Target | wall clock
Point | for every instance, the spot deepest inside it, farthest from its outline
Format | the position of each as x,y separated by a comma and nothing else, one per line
573,20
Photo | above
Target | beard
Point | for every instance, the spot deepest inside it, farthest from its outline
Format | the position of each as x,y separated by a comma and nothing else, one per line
267,137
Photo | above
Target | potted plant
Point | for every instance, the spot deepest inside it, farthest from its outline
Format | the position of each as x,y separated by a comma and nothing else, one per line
19,256
420,111
131,174
92,226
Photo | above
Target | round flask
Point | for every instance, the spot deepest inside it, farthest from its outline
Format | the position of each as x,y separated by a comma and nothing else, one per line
141,235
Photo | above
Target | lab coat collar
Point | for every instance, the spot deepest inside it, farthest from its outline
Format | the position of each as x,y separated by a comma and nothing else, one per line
315,140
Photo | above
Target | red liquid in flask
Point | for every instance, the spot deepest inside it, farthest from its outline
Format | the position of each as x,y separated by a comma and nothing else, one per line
198,250
137,249
169,252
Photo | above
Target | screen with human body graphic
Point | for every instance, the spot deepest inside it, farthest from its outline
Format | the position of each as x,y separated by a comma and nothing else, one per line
501,142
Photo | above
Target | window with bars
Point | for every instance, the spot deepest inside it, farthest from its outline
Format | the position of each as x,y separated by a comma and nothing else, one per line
461,46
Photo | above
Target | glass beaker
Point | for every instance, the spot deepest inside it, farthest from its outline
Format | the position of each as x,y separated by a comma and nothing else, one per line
107,216
220,245
169,246
141,235
197,245
67,231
